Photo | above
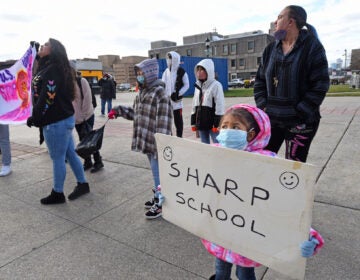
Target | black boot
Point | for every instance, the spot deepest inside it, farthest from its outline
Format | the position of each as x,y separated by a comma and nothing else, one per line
53,198
80,189
87,163
98,163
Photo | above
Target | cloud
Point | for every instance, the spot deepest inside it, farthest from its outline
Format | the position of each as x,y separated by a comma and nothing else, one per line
90,28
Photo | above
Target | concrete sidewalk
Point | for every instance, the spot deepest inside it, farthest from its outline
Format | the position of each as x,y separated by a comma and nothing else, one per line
104,234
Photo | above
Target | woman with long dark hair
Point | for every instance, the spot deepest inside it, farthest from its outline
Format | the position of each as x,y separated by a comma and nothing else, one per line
53,93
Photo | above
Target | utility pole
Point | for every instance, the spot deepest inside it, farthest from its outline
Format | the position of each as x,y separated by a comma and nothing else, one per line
345,62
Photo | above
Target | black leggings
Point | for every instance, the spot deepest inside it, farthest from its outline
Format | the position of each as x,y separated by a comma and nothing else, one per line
178,121
297,139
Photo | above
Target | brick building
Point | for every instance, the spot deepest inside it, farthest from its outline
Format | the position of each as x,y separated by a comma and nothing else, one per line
124,70
355,60
243,50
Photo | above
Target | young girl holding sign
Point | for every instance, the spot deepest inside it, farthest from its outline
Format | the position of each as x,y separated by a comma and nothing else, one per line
245,127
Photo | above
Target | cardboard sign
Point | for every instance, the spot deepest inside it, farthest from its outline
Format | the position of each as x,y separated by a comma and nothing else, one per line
255,205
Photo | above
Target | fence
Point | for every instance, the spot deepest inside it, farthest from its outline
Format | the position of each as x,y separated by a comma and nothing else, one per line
189,63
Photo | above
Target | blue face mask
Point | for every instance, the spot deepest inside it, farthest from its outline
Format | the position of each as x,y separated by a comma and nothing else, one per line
233,138
140,79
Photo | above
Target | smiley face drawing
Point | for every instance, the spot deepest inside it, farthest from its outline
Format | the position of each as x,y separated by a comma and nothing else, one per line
289,180
167,153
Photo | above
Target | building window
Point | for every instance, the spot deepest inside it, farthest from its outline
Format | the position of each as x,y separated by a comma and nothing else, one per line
225,49
233,63
157,56
188,52
251,46
258,60
242,62
233,48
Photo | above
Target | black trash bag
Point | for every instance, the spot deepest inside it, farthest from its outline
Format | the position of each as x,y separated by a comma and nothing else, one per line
91,143
83,129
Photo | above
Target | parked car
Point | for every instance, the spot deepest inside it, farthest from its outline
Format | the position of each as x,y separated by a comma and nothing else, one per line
249,83
236,83
123,87
335,80
95,88
132,89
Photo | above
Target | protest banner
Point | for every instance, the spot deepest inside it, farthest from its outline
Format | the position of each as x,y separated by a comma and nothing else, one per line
15,90
258,206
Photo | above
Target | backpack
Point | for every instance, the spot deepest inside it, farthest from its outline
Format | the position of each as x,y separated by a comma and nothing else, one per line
78,80
178,85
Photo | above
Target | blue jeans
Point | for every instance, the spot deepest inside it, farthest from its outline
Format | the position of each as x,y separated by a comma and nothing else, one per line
223,271
154,164
5,144
59,140
205,136
109,105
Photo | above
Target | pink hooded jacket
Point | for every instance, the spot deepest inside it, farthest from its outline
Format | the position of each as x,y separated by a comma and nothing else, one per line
256,146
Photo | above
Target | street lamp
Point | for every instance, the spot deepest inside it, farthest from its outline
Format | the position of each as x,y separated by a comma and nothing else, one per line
207,45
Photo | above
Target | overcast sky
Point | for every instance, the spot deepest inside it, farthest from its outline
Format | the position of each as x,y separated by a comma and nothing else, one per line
90,28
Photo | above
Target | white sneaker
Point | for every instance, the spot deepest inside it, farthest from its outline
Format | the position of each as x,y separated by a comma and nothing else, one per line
5,170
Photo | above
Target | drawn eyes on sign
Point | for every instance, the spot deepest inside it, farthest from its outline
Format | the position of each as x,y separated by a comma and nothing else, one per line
167,153
289,180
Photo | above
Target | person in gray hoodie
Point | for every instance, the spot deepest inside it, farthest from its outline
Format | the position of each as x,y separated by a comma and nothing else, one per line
151,113
208,104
